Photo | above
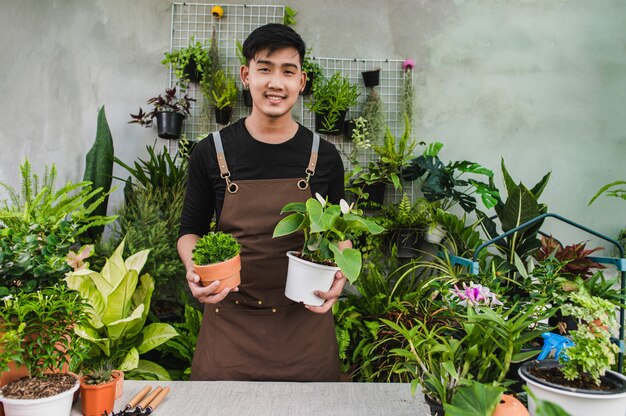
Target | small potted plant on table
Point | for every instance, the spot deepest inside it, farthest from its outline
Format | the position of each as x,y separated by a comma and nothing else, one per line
44,321
216,257
169,112
581,382
97,390
325,225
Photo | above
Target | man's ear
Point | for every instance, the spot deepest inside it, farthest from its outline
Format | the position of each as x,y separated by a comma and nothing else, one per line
244,72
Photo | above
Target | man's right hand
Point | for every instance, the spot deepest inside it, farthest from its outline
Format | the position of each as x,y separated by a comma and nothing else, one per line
205,294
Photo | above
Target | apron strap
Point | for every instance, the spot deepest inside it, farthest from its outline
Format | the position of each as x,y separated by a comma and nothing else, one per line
231,187
310,169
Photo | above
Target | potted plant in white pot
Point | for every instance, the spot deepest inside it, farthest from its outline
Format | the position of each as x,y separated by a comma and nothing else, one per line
169,111
325,225
43,325
216,257
580,381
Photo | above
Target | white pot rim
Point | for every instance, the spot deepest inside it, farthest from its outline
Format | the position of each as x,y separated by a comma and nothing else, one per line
568,391
43,400
293,255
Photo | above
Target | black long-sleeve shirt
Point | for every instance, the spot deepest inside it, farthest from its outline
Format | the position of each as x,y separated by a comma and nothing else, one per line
248,158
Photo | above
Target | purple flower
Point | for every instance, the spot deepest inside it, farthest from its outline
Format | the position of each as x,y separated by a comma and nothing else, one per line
475,295
408,64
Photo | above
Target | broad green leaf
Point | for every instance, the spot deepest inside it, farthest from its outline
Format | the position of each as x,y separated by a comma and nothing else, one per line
348,260
142,296
298,207
155,335
321,219
94,337
120,328
130,361
119,301
475,399
149,367
137,261
289,224
83,281
520,207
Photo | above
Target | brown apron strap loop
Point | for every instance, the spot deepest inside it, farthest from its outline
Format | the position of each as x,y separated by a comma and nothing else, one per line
231,187
310,169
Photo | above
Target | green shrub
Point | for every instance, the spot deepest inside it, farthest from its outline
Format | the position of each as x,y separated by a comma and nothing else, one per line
215,247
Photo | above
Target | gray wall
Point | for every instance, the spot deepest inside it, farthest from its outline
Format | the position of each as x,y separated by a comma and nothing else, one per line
538,83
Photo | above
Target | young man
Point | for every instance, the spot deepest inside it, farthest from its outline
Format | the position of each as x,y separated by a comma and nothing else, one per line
266,160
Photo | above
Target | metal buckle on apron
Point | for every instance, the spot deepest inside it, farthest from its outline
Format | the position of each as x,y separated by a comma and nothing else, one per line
303,184
231,187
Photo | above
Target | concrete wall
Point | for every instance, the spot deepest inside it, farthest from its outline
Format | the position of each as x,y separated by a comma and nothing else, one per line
540,83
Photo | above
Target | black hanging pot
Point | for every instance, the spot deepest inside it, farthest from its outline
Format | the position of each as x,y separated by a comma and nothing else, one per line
376,193
222,115
191,71
309,85
321,123
371,78
348,128
247,97
169,124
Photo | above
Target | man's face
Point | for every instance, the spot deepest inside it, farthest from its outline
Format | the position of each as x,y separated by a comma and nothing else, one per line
275,81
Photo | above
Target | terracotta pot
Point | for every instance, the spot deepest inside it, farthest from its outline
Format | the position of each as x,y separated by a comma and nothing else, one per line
119,383
227,272
100,398
510,406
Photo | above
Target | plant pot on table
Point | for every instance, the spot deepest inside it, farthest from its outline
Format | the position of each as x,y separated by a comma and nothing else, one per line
169,124
305,277
99,398
57,405
330,123
222,115
575,401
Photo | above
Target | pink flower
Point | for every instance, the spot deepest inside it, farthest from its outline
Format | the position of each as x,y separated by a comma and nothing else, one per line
408,64
475,295
76,259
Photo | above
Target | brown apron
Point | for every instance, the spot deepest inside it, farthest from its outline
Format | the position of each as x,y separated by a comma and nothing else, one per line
257,333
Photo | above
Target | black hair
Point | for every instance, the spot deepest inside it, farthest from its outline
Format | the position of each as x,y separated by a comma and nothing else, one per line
272,37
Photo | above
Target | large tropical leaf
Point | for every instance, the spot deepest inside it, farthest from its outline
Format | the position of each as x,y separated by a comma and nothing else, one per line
94,338
122,327
142,296
289,224
348,260
155,335
130,361
520,206
119,301
137,261
148,370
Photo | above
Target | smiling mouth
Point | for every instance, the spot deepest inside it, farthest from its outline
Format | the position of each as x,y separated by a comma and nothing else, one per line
274,97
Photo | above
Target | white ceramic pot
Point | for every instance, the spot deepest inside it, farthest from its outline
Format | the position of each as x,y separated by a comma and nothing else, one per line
57,405
435,234
305,277
576,402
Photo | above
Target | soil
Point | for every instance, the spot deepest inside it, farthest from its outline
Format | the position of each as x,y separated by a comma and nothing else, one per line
38,388
554,375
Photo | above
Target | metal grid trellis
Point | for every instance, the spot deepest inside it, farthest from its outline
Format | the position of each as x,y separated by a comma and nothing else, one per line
195,20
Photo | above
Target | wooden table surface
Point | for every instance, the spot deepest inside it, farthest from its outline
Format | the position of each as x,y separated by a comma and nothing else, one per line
269,398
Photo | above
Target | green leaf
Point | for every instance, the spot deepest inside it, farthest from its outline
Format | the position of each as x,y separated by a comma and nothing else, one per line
148,367
155,335
289,224
298,207
348,260
475,399
118,329
137,261
119,301
130,361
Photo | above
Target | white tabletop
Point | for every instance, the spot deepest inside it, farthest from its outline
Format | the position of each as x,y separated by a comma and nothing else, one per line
269,398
